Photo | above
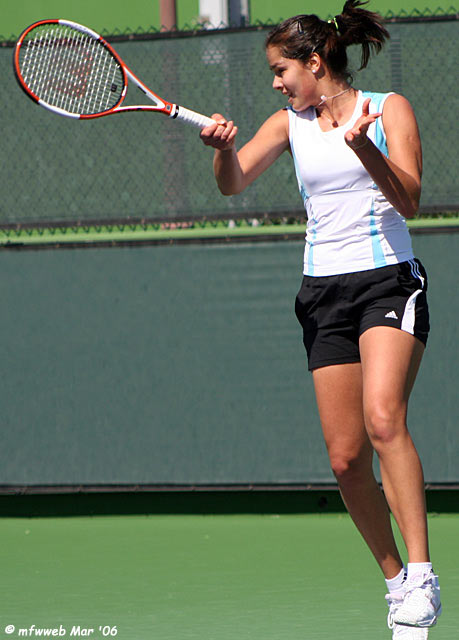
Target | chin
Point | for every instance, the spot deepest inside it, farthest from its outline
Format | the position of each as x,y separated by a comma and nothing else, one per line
299,106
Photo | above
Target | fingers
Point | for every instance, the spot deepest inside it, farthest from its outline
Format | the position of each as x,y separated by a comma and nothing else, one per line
220,135
357,136
366,119
366,107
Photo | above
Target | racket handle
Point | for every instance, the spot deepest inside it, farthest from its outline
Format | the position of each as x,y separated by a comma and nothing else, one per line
193,118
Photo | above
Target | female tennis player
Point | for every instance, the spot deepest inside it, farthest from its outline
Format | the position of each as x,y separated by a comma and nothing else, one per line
362,304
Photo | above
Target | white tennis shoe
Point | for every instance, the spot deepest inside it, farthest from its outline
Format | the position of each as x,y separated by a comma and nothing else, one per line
421,604
402,632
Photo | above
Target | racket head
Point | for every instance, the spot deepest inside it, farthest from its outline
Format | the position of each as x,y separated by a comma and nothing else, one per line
69,69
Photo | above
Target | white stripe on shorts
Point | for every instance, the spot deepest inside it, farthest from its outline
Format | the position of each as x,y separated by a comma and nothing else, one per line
409,315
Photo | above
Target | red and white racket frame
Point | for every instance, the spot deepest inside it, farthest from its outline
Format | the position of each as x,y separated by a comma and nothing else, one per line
161,106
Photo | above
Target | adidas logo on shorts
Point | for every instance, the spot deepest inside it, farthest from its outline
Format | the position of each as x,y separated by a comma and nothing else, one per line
392,315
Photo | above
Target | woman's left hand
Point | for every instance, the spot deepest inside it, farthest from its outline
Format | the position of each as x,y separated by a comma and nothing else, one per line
357,136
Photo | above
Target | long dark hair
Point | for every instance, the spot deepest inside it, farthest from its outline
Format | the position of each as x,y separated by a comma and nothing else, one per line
302,35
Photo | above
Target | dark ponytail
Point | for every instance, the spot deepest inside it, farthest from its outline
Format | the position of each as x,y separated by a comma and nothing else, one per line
302,35
359,26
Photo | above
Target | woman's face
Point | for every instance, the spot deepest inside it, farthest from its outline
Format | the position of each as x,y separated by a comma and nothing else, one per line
293,78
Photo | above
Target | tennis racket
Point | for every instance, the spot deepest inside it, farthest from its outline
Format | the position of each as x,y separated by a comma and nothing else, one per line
72,71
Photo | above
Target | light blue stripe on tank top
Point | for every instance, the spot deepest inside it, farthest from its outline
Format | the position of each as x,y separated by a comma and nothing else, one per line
379,258
305,197
380,138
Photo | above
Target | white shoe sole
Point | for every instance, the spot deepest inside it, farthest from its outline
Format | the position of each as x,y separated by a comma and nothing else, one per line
410,633
425,623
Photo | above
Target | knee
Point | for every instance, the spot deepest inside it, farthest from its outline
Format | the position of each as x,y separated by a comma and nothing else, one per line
349,468
385,424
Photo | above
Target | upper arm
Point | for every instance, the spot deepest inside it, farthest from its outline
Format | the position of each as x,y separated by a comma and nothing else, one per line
270,141
402,136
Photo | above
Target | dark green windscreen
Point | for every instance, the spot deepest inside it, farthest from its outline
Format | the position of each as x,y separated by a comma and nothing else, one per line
184,365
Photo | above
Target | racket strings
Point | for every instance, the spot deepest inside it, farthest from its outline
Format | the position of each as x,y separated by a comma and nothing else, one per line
71,70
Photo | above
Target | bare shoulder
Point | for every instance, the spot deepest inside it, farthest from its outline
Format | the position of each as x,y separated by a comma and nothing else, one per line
269,142
276,124
398,113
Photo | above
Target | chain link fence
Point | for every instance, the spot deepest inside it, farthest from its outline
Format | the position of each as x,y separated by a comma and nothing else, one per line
145,167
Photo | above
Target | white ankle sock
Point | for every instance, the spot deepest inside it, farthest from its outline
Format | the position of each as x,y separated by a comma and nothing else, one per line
395,584
416,568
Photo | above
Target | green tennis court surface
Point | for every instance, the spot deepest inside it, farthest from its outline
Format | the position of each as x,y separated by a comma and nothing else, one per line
251,577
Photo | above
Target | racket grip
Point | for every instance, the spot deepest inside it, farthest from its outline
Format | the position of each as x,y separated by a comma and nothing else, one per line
193,118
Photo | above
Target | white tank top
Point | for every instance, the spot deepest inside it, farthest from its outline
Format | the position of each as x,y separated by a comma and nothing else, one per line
351,226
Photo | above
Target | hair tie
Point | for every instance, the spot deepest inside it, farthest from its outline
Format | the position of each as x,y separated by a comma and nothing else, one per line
335,22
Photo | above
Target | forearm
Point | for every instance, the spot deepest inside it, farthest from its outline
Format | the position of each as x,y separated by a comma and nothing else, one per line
398,187
228,172
235,170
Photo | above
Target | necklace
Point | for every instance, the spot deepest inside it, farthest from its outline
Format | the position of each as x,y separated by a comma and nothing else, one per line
324,99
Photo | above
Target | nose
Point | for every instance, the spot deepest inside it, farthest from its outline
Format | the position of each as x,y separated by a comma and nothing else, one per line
277,83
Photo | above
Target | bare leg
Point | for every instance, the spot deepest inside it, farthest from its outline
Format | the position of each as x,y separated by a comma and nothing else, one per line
390,361
340,401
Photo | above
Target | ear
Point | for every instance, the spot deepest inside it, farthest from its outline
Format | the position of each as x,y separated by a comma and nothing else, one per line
315,63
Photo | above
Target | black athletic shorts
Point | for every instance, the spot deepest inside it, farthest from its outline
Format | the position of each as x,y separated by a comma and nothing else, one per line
334,311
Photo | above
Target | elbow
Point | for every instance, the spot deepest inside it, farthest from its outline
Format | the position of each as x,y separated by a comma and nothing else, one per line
408,212
227,192
411,208
230,189
410,204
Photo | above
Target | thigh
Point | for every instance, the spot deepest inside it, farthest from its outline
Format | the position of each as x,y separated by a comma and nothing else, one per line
338,390
390,361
